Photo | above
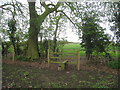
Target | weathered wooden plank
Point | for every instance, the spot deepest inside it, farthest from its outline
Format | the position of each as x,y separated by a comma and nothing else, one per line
48,58
65,61
55,62
72,62
70,58
59,62
70,53
56,52
56,57
62,62
78,62
13,56
71,49
63,56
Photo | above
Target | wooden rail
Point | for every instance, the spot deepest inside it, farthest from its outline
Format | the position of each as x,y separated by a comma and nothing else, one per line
62,57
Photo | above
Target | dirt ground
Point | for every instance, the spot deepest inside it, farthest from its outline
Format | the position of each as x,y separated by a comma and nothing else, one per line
22,74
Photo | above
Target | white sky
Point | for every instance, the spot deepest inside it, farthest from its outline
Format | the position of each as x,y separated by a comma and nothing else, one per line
71,36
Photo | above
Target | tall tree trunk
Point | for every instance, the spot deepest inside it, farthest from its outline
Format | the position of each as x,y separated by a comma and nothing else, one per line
55,34
32,51
3,50
18,46
35,23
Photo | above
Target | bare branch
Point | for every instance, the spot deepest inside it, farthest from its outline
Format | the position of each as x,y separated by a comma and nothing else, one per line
8,9
44,5
69,19
51,5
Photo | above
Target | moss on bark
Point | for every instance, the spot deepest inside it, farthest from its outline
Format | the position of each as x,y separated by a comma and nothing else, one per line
35,23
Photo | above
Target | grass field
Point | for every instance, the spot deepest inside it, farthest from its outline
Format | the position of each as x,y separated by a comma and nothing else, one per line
74,47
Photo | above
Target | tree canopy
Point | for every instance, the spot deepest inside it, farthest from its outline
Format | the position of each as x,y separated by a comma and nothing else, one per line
47,20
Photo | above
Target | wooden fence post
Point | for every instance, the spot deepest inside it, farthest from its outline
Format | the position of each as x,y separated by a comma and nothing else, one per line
78,62
48,58
13,55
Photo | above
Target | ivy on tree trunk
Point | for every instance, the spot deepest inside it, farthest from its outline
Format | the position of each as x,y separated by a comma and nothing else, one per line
35,23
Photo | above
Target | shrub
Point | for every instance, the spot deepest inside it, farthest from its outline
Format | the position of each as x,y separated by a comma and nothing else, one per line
114,64
100,86
11,49
21,58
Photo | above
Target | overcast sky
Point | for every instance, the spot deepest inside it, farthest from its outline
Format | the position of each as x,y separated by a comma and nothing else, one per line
71,36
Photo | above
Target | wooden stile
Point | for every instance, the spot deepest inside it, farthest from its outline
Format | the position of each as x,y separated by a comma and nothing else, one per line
48,58
78,62
64,63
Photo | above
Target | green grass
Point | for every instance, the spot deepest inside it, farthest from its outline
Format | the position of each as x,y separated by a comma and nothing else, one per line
113,50
73,48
